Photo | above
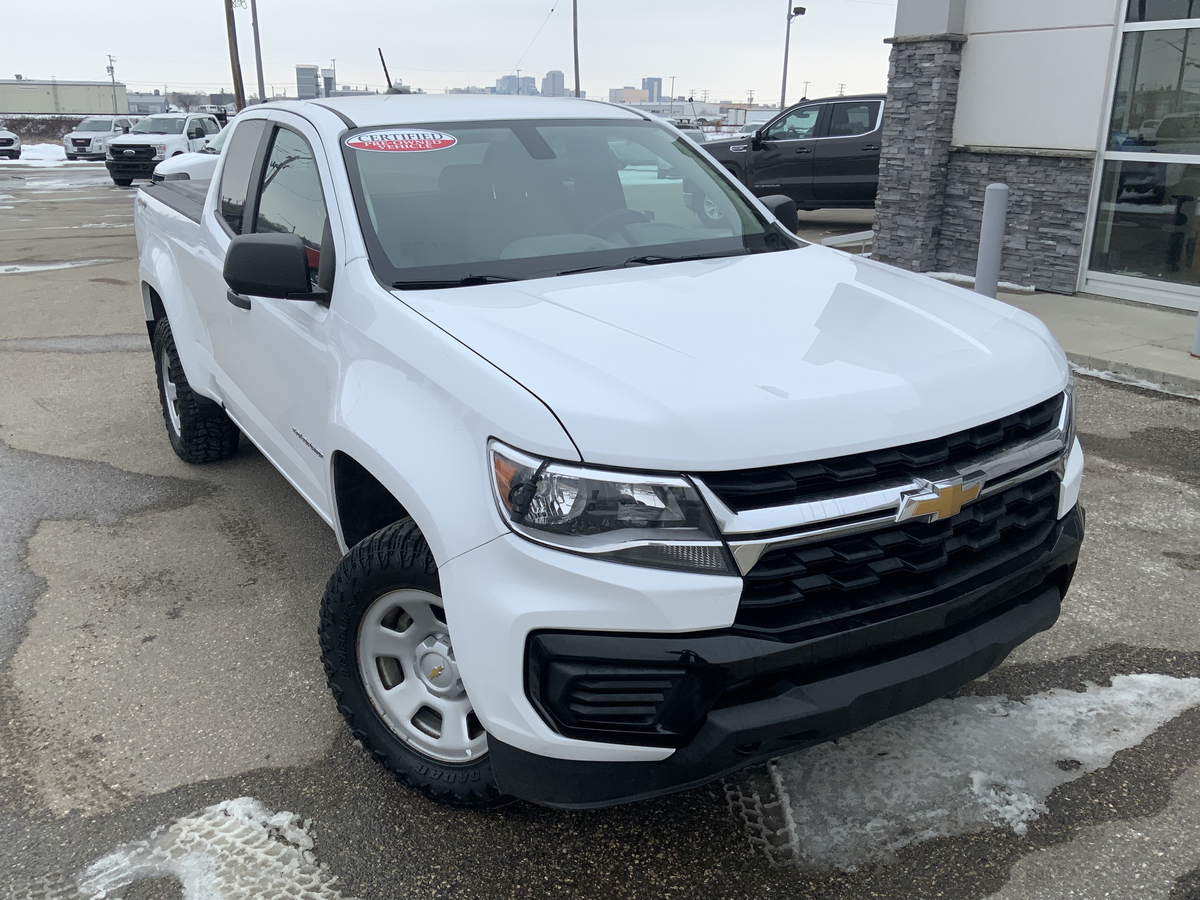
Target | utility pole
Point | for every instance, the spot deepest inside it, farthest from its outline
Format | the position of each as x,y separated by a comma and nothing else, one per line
575,37
806,84
239,92
672,95
112,73
793,12
841,90
262,88
750,98
518,81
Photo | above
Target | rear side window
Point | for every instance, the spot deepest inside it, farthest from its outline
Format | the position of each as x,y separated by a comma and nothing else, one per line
291,201
849,119
240,154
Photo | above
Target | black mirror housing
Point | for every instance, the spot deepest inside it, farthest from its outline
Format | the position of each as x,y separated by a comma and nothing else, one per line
784,209
267,265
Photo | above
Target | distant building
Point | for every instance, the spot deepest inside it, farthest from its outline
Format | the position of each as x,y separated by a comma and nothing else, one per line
26,95
653,86
511,84
146,104
308,82
554,84
328,82
628,95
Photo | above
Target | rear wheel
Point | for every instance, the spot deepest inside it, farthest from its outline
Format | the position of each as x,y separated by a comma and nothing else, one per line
122,182
389,659
199,429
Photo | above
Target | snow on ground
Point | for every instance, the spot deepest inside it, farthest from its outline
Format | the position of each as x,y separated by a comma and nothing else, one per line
962,765
42,156
233,850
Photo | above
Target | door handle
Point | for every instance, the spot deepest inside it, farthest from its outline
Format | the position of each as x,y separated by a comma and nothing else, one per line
238,300
870,146
804,149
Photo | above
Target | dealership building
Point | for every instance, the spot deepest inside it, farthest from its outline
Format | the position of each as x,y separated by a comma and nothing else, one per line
1088,109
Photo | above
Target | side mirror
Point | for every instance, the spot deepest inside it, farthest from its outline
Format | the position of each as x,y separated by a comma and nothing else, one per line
757,139
124,129
784,209
268,265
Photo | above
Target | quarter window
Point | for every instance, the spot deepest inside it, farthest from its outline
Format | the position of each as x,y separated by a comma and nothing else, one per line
795,126
849,119
235,178
290,200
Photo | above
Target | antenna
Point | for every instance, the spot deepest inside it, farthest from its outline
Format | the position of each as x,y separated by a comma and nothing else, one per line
386,76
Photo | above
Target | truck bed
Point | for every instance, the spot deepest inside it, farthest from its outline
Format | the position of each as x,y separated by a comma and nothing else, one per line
186,196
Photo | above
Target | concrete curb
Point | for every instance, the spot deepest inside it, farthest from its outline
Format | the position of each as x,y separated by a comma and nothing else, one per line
1169,382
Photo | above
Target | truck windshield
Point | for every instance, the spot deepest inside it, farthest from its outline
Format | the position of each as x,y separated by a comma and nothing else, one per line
474,202
95,125
160,125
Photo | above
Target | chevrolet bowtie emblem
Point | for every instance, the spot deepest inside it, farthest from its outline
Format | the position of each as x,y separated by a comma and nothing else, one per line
435,672
939,501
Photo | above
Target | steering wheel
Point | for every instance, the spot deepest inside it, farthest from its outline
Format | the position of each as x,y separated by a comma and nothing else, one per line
614,223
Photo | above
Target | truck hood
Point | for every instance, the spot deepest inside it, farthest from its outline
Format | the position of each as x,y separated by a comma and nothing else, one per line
754,360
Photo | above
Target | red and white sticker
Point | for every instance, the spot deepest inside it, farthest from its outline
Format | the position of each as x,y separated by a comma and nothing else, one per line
397,141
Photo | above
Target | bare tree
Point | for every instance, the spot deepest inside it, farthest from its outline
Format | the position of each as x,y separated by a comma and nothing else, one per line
187,102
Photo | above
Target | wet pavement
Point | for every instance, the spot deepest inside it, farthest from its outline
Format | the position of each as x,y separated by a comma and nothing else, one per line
158,661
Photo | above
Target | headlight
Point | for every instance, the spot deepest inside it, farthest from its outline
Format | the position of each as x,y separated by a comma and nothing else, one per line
644,520
160,151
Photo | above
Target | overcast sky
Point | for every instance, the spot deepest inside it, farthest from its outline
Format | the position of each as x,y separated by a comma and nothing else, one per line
727,48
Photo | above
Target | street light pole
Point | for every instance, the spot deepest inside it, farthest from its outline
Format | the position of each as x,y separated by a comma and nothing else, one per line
239,91
793,12
262,88
112,73
575,37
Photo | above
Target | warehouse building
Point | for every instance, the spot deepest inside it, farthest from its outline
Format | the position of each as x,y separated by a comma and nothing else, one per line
27,95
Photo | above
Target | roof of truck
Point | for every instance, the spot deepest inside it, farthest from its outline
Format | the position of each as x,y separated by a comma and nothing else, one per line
401,109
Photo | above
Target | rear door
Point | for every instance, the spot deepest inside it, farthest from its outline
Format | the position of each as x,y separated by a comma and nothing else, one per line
846,157
782,163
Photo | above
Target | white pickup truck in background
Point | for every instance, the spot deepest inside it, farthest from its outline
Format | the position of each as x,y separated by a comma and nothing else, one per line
90,138
154,139
634,487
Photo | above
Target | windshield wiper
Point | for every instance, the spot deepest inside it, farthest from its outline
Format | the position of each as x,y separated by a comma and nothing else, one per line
452,282
651,260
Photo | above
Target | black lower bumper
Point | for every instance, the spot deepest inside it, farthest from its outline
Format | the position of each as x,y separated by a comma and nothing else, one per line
804,705
119,168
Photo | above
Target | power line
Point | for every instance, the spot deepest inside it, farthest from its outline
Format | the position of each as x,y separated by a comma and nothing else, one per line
539,33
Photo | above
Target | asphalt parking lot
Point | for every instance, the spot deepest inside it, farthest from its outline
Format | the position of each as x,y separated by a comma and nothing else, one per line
165,730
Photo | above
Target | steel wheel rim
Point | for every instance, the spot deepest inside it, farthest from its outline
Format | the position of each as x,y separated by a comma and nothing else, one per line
406,663
170,393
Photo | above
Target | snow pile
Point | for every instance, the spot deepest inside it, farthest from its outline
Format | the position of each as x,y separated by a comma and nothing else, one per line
236,849
41,156
964,765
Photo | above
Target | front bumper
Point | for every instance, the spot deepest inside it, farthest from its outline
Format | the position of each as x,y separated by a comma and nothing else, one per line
772,697
119,168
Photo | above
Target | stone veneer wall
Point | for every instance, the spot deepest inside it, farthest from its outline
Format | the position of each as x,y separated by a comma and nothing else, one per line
1047,214
918,127
930,199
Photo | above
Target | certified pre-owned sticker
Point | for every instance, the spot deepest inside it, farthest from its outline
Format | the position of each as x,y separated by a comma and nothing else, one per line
397,141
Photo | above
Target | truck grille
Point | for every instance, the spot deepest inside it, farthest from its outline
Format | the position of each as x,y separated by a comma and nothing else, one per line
140,153
81,142
823,588
6,142
748,489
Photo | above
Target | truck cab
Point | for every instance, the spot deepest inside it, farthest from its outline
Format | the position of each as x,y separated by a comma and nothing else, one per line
154,139
821,153
90,138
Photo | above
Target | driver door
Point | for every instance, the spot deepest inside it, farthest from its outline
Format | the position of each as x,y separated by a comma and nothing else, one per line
782,162
195,134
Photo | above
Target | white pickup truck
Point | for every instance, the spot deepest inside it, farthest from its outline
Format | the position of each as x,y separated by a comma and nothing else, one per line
154,139
634,487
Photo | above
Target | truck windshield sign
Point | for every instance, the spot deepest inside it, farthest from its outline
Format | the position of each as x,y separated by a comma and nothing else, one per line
401,141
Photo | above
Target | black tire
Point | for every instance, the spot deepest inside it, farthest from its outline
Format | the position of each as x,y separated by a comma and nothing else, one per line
204,432
122,182
394,558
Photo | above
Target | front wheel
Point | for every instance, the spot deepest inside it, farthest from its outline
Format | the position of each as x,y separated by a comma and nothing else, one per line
389,660
122,182
71,158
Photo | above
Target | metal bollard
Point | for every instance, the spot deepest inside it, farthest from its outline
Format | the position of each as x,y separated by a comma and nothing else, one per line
991,240
1196,339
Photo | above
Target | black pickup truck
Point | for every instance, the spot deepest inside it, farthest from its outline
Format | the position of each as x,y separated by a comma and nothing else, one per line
821,153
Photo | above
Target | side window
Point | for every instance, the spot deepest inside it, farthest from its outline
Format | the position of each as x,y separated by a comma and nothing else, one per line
290,200
235,177
849,119
795,125
211,126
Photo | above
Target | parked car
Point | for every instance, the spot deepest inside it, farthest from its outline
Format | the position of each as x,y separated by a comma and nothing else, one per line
10,145
154,139
821,153
613,524
745,131
90,138
199,165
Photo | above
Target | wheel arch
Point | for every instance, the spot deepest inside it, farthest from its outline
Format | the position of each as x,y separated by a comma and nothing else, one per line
362,503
